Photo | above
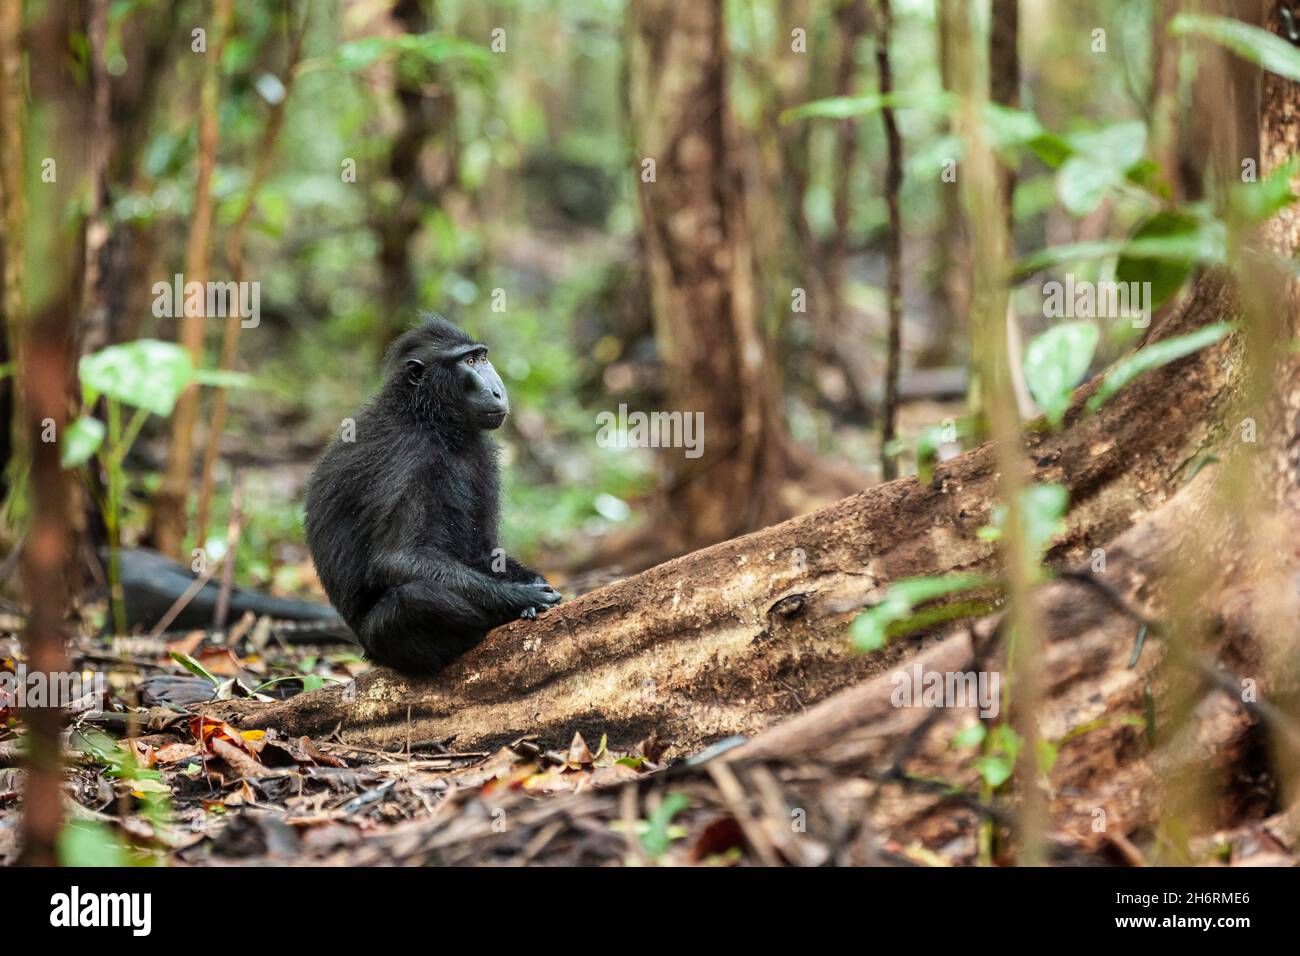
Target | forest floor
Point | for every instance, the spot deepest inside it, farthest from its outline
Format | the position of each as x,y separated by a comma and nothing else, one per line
152,783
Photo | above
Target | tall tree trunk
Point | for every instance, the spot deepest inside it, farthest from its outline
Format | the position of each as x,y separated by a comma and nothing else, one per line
893,248
835,339
952,270
52,297
12,193
169,506
715,354
427,109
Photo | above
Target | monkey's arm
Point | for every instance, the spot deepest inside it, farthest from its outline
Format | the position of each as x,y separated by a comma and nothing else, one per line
521,573
483,600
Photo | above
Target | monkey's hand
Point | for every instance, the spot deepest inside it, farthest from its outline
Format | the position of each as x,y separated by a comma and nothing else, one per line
547,597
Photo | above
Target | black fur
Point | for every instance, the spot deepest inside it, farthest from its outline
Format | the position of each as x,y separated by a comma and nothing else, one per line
402,522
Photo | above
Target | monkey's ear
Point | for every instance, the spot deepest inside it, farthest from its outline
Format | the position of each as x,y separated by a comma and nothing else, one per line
414,369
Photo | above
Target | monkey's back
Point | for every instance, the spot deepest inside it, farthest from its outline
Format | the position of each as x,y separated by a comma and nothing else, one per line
394,485
349,496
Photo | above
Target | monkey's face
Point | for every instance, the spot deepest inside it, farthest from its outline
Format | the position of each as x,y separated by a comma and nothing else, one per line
483,390
450,378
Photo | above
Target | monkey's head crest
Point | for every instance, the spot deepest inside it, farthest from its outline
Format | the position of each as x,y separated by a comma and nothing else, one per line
433,337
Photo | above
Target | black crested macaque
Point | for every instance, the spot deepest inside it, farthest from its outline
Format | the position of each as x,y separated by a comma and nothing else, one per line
402,521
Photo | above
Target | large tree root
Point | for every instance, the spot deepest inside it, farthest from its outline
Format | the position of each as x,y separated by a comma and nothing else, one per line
729,639
858,778
1125,760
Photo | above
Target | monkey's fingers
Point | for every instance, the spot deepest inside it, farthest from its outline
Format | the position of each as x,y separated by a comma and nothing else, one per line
548,594
528,613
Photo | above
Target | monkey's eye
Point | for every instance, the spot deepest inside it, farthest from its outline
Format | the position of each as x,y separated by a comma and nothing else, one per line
472,360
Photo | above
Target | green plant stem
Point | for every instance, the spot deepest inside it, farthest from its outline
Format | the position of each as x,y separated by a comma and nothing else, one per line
132,432
111,458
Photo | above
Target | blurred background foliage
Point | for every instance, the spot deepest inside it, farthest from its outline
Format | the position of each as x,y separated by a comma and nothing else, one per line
509,177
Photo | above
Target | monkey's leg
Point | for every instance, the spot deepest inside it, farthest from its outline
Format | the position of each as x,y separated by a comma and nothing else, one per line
496,598
419,628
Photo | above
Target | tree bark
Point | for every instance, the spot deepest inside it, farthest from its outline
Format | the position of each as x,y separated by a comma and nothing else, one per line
719,367
51,295
13,199
893,247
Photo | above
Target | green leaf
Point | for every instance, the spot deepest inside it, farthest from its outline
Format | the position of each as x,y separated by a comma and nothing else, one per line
90,843
1007,126
1010,129
1055,362
870,629
1101,160
996,769
1081,185
194,667
223,378
1251,43
657,836
1051,149
1004,739
1206,244
1047,754
81,440
969,736
437,48
1258,202
864,104
1155,355
1042,514
359,54
146,373
1117,145
1166,276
